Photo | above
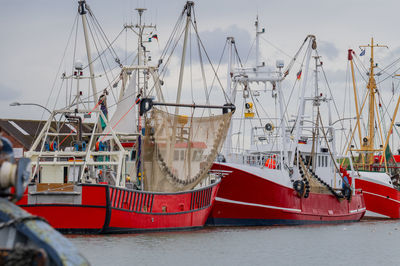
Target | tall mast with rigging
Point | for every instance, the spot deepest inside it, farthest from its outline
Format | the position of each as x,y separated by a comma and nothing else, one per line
368,142
300,115
82,11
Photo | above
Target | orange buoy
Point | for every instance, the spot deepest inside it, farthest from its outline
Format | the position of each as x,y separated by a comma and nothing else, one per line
270,163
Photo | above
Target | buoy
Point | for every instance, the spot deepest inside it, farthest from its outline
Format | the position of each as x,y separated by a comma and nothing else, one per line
183,119
99,146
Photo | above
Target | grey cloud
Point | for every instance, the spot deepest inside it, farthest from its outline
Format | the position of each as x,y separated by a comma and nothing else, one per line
214,41
328,49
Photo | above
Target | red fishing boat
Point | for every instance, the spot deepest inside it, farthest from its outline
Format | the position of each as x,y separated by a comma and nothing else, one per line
289,174
376,167
102,208
249,196
144,169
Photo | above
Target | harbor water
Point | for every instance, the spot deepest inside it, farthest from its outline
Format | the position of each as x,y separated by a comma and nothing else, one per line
363,243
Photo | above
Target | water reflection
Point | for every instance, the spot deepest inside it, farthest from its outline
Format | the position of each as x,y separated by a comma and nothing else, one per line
366,243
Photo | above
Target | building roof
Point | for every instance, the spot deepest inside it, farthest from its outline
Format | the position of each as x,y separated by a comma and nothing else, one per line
25,131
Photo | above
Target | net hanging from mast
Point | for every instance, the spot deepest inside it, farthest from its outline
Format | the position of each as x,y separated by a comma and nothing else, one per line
178,162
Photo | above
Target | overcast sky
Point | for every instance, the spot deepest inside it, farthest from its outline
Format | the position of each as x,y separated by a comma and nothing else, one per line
34,35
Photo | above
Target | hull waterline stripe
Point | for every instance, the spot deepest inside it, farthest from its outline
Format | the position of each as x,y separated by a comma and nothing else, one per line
381,196
256,205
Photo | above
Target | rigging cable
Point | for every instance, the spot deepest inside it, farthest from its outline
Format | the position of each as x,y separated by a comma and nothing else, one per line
101,61
330,91
104,36
209,61
57,74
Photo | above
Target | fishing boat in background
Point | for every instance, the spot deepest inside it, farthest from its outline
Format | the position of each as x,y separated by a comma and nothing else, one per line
289,175
144,169
376,167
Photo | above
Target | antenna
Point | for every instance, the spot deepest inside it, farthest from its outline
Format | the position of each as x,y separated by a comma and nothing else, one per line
140,11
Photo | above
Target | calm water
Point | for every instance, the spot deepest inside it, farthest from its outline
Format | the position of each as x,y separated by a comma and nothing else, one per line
364,243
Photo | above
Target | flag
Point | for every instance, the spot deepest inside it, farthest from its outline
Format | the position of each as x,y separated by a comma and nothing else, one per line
154,37
299,75
362,52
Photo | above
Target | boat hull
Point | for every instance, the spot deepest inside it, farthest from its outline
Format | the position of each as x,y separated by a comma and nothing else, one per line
381,201
108,209
245,199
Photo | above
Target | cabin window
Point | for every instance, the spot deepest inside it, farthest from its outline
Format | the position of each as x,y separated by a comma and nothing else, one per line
319,161
176,155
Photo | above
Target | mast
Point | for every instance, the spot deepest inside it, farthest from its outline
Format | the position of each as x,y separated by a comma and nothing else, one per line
316,99
172,142
141,57
368,143
230,94
82,11
350,58
284,153
188,8
300,116
315,113
258,32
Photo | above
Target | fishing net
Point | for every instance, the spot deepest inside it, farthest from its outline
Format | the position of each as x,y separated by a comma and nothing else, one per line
179,150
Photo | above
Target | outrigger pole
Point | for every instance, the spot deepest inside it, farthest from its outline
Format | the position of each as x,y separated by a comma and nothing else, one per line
147,103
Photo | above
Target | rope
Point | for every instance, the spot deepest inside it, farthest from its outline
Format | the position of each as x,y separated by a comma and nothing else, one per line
56,77
330,91
136,102
206,91
330,152
209,61
104,36
101,61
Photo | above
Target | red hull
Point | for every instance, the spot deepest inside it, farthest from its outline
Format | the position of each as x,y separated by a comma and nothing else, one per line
246,199
380,199
107,209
